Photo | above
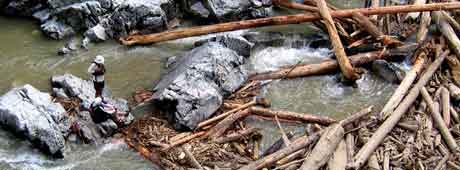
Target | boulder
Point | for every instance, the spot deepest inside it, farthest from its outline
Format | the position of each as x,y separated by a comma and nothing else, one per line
140,15
57,30
32,114
84,90
234,42
193,89
224,10
81,16
388,71
96,34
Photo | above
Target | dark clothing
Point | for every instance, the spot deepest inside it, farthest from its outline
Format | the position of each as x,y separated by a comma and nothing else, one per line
99,87
98,115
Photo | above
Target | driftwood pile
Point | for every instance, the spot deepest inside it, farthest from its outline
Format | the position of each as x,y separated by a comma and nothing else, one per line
418,128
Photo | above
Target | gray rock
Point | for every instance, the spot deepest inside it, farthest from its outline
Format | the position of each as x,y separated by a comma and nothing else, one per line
58,92
233,42
388,71
32,114
140,15
107,128
56,30
96,34
81,16
84,90
194,88
69,47
224,10
42,15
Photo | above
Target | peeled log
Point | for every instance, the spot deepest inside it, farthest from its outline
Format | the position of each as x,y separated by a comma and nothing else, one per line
344,63
324,149
296,145
293,116
279,20
377,138
339,159
405,85
447,31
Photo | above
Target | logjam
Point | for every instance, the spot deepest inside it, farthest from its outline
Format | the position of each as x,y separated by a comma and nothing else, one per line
377,138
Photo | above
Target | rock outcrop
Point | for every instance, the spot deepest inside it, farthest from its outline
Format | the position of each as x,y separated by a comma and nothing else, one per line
194,87
33,115
388,71
224,10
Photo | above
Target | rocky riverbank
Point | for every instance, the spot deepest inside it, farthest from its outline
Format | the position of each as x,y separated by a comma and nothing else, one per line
51,121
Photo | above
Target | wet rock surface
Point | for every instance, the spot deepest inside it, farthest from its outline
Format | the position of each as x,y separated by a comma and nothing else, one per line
32,114
194,88
388,71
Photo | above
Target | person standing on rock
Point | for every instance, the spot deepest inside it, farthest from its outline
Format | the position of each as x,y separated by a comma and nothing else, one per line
97,71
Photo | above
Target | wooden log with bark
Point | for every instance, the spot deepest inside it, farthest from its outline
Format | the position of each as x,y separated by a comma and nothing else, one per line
278,20
330,66
304,117
225,124
385,128
447,31
237,135
294,5
339,160
344,63
437,118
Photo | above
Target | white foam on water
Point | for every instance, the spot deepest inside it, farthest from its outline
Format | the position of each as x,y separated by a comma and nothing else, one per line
272,58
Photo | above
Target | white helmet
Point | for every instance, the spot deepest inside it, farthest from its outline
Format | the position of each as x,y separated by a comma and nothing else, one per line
97,101
99,59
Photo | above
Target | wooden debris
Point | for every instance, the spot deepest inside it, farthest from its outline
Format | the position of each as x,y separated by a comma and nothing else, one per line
325,147
190,156
236,136
404,87
339,158
304,117
437,118
367,25
225,124
372,144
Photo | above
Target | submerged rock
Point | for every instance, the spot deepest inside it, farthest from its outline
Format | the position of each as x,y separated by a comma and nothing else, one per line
194,87
57,30
388,71
32,114
233,42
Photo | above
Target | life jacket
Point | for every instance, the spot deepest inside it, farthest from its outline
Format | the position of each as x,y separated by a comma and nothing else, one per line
100,70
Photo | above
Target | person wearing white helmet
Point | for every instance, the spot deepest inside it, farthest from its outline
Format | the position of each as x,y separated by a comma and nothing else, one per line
97,71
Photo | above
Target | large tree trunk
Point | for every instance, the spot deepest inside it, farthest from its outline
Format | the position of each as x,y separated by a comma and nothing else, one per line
279,20
369,27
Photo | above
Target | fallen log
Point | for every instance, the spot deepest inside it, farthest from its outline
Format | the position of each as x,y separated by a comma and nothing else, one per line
344,63
447,31
279,20
256,101
405,85
339,158
277,145
425,21
414,15
437,118
236,136
451,20
324,149
445,103
223,125
327,66
296,145
184,140
304,117
369,27
377,138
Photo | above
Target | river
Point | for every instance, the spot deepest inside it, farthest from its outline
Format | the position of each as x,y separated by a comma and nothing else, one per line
27,57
